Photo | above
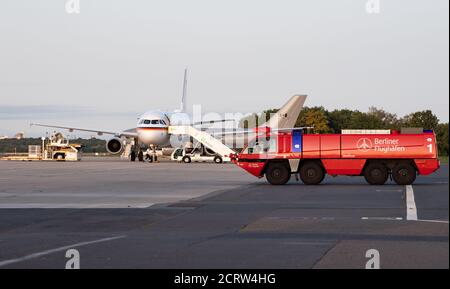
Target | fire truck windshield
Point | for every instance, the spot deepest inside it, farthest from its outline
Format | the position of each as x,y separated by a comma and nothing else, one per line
261,145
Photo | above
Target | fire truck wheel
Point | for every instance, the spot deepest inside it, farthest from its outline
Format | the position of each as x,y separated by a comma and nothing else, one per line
278,174
404,174
311,173
218,160
376,173
186,159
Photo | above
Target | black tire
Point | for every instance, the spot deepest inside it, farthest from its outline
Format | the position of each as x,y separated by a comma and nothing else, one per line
278,174
376,173
311,173
321,180
404,174
186,159
218,159
59,157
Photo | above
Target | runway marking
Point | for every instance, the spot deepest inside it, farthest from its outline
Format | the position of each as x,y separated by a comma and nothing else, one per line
411,209
51,251
75,206
300,243
389,190
383,218
303,218
434,221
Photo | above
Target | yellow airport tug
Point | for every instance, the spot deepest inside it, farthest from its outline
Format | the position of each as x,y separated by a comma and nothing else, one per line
57,147
54,148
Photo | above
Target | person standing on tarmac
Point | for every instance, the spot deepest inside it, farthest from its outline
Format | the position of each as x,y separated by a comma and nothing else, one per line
133,155
141,155
148,155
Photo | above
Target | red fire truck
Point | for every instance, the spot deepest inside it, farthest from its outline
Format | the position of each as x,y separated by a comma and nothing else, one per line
374,155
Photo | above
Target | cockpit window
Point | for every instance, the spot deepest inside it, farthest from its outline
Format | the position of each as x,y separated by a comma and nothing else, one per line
153,121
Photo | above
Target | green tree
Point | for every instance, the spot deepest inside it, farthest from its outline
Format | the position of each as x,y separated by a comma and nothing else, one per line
385,119
315,117
21,146
340,119
442,131
362,120
425,119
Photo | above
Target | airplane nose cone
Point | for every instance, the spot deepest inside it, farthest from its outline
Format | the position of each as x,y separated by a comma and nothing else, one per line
153,136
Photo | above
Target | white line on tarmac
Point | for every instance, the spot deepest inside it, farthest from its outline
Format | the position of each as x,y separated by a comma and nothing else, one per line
411,209
434,221
75,206
48,252
319,243
383,218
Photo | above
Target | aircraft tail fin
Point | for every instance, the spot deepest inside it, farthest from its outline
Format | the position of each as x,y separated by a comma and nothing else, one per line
183,96
287,115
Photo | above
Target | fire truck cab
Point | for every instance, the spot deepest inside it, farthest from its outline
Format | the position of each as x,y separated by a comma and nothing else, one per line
374,154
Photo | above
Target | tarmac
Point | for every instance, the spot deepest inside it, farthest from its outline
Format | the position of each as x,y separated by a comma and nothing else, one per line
119,214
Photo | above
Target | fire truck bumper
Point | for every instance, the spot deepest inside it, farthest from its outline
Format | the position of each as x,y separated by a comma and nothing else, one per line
254,168
427,166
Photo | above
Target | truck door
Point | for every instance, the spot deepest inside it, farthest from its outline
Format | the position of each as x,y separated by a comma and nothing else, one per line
296,141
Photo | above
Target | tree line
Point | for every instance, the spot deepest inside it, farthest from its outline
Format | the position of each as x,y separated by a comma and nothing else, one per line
92,145
325,121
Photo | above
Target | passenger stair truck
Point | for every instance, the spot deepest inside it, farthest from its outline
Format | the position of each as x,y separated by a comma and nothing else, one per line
374,154
204,138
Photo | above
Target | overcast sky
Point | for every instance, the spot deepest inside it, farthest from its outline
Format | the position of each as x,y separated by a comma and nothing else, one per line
117,58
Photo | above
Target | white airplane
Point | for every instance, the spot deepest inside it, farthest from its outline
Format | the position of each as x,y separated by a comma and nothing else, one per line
152,128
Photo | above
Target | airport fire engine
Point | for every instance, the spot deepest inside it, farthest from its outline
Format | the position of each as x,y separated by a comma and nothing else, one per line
376,155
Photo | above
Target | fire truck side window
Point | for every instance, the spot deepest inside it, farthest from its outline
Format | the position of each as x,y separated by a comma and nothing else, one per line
261,145
272,145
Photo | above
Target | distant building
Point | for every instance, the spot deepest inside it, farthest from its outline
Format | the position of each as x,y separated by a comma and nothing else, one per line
19,135
3,137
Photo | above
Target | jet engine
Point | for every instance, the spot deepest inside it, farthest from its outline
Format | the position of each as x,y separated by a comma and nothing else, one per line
114,146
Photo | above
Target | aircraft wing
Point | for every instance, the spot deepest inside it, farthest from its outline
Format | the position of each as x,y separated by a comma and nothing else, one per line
127,133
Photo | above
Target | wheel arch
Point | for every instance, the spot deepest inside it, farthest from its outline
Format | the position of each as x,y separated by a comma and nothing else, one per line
389,163
318,161
272,161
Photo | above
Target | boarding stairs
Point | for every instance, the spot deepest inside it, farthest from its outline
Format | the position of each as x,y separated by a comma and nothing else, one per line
204,138
126,152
